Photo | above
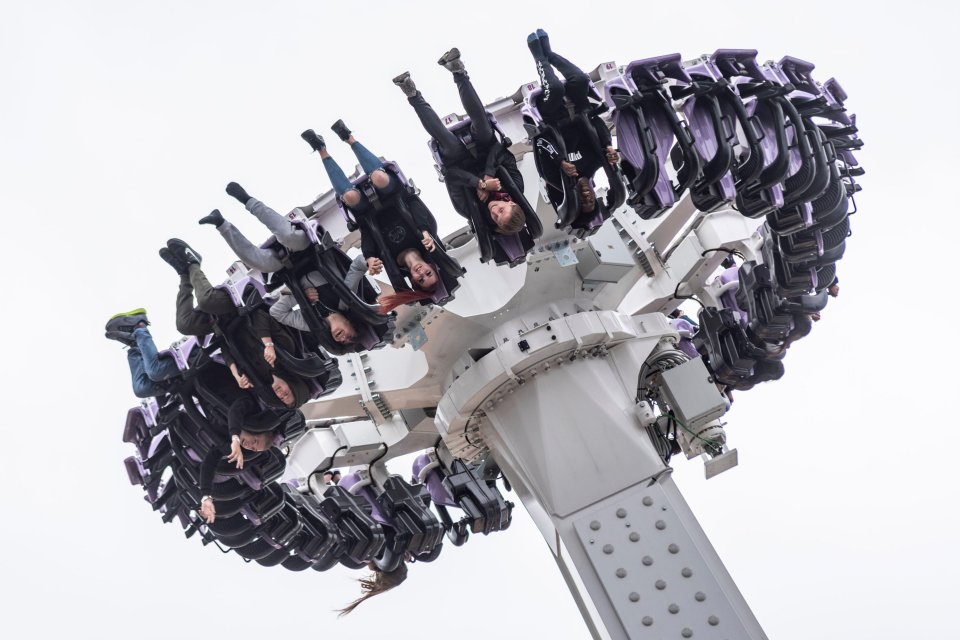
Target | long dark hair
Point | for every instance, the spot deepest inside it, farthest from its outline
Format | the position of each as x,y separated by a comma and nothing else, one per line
377,583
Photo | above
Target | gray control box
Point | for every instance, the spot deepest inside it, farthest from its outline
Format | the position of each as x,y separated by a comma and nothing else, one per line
605,258
692,395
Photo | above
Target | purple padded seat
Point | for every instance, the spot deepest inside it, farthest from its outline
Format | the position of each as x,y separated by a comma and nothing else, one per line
729,297
351,482
686,343
239,278
428,472
634,147
389,165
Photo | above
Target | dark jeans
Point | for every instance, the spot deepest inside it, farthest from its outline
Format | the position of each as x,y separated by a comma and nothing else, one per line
197,320
147,367
551,100
451,149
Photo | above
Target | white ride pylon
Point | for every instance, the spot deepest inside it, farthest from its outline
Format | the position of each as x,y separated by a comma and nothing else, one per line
535,371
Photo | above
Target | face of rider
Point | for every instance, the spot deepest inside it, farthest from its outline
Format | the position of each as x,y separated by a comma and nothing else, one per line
500,211
256,441
341,328
588,197
282,389
423,275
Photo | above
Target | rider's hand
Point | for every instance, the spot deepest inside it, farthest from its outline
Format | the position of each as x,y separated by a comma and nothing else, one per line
482,195
568,168
269,354
312,294
428,242
374,266
242,381
491,183
236,453
207,511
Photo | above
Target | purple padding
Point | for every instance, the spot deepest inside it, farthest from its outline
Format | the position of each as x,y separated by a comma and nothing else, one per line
511,246
617,85
530,107
349,480
419,463
663,134
155,443
685,344
729,297
135,429
647,72
438,493
368,494
732,62
367,336
251,515
250,479
628,139
134,470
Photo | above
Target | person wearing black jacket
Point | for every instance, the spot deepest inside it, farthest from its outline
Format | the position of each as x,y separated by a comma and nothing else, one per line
409,246
215,310
470,175
583,157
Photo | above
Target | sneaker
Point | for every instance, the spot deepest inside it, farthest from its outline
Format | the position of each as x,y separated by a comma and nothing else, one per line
214,217
184,251
316,142
451,61
405,82
120,327
174,261
341,130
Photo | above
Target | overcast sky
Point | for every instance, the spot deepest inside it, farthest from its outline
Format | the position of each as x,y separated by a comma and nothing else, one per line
120,124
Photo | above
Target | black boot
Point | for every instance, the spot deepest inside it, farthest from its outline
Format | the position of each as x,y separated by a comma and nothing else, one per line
238,192
184,252
536,47
316,142
341,130
451,61
174,261
214,217
405,82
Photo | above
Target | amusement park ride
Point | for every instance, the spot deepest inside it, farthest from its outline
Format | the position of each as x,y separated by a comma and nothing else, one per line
557,351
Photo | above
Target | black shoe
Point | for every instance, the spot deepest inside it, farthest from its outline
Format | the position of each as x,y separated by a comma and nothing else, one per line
406,84
238,192
341,130
544,42
120,327
174,261
451,61
214,217
183,251
316,142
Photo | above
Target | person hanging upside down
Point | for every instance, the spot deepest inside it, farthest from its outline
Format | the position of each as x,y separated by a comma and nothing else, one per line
410,247
470,174
150,372
214,306
583,158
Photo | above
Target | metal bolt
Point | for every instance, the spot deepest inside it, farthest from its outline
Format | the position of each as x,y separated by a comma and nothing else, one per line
595,525
673,548
634,536
647,501
608,549
700,596
647,621
686,572
621,513
647,561
673,608
634,596
713,621
661,525
686,633
660,585
621,573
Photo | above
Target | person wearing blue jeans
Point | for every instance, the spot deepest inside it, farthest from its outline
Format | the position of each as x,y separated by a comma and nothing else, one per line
148,369
383,182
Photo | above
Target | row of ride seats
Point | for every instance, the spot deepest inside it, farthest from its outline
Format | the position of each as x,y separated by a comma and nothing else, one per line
767,139
353,523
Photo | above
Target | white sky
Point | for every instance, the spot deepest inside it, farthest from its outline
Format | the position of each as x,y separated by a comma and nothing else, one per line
120,124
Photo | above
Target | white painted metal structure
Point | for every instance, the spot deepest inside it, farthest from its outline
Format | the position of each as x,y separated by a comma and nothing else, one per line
535,369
